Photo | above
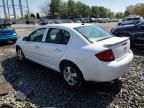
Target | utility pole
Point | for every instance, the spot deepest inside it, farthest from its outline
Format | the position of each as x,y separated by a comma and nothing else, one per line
14,12
4,8
8,9
28,7
21,8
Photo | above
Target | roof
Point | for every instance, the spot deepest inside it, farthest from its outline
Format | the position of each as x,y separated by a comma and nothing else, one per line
67,25
133,17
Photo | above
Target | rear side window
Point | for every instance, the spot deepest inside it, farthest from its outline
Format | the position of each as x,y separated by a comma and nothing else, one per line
135,19
57,36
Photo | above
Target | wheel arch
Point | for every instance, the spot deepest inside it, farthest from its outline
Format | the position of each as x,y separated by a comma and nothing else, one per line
17,46
64,61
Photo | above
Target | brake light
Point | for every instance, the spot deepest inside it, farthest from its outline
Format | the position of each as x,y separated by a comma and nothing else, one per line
106,56
14,31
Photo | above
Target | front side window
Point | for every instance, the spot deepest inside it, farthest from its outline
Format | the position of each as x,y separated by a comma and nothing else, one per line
57,36
93,33
124,19
37,35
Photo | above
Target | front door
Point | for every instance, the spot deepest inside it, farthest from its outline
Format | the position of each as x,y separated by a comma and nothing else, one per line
32,46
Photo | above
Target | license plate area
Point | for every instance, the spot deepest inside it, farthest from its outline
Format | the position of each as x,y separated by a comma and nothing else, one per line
121,50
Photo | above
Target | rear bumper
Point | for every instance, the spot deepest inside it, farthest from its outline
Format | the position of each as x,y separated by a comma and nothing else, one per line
7,38
104,72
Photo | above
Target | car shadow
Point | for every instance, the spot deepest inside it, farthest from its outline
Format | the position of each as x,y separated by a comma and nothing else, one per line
46,88
5,43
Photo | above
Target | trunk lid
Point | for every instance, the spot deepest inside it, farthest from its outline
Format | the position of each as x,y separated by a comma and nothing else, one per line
119,45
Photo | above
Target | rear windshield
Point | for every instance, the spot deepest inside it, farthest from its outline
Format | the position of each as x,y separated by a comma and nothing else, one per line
5,27
93,33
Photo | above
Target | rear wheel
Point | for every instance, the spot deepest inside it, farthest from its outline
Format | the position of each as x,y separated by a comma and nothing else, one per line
20,54
72,76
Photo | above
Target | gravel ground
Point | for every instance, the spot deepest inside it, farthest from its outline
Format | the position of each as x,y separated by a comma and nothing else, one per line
45,88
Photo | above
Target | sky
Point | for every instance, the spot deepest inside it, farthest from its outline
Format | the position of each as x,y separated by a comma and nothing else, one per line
114,5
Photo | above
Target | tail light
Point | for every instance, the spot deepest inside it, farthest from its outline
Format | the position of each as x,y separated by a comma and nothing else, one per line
14,31
106,56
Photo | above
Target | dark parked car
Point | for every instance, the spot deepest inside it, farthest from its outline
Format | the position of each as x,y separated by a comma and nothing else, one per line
43,22
93,20
135,32
30,22
101,20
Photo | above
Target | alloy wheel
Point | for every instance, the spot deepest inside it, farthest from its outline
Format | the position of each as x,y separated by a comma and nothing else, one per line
70,76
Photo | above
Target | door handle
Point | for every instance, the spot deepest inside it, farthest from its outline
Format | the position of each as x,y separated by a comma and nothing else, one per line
36,46
58,50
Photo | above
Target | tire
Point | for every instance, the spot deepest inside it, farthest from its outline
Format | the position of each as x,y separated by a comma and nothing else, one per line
14,41
119,24
20,54
133,46
72,76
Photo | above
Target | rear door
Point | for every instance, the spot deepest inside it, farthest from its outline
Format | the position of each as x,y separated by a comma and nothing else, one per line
55,45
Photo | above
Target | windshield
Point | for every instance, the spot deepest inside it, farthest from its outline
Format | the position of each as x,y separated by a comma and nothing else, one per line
93,33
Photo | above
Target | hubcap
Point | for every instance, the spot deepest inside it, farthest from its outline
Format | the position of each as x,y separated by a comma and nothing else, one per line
70,76
20,54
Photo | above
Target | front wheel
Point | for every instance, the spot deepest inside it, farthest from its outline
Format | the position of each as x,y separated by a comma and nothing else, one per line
72,76
20,54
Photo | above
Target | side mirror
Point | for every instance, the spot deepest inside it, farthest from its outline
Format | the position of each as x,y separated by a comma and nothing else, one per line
25,39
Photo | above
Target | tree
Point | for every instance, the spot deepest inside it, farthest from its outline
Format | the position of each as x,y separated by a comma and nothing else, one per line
37,15
119,15
63,10
137,9
72,9
32,15
45,9
82,9
55,8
